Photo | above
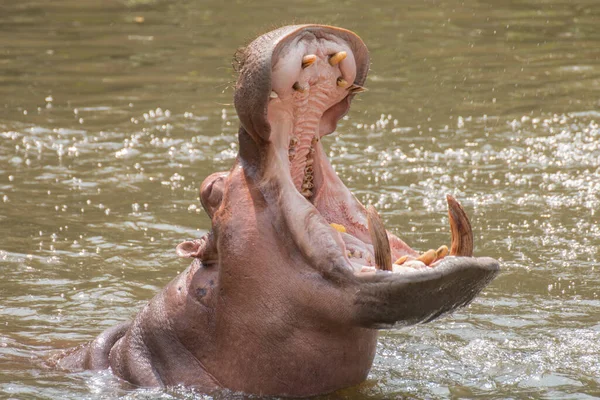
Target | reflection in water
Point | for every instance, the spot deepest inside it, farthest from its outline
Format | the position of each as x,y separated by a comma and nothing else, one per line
113,113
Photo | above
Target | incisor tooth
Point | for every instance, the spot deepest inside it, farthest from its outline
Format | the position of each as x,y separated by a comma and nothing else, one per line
308,60
381,243
428,257
441,252
403,259
273,95
337,58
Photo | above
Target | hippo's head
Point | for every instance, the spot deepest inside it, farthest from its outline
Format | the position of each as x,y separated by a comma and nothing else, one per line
295,260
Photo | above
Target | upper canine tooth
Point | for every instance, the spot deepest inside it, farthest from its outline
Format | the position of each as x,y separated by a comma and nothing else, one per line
381,243
273,95
337,58
341,82
308,60
460,228
299,88
356,89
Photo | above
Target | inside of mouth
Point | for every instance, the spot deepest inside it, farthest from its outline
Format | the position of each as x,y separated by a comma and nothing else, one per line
310,92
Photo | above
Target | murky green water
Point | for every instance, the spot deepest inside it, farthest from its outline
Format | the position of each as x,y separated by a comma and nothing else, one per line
113,112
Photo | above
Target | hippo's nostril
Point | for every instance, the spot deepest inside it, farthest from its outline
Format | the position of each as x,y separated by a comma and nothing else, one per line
341,82
299,88
337,58
308,60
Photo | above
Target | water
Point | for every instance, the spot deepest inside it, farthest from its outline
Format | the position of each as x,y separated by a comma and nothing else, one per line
112,113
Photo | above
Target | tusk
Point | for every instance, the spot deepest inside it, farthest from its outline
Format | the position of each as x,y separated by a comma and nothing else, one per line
308,60
354,89
381,244
273,95
337,58
341,82
460,228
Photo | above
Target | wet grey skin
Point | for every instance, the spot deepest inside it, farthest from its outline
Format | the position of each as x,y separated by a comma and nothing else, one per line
286,293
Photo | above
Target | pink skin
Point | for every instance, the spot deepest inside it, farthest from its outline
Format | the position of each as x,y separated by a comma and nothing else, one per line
277,301
302,114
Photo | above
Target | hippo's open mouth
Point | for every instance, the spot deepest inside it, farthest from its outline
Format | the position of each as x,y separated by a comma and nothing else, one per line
283,202
314,76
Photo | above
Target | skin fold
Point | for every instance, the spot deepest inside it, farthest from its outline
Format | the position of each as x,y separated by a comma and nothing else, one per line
277,301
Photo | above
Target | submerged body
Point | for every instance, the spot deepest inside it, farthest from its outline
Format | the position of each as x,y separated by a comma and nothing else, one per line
285,294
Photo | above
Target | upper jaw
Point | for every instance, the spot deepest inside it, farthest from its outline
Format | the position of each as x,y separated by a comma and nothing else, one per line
314,70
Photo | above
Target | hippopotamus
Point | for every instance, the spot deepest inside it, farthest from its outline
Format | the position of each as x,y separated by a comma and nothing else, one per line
286,293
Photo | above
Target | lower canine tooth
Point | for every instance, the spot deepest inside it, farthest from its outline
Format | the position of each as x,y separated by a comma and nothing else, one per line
460,227
341,82
381,243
